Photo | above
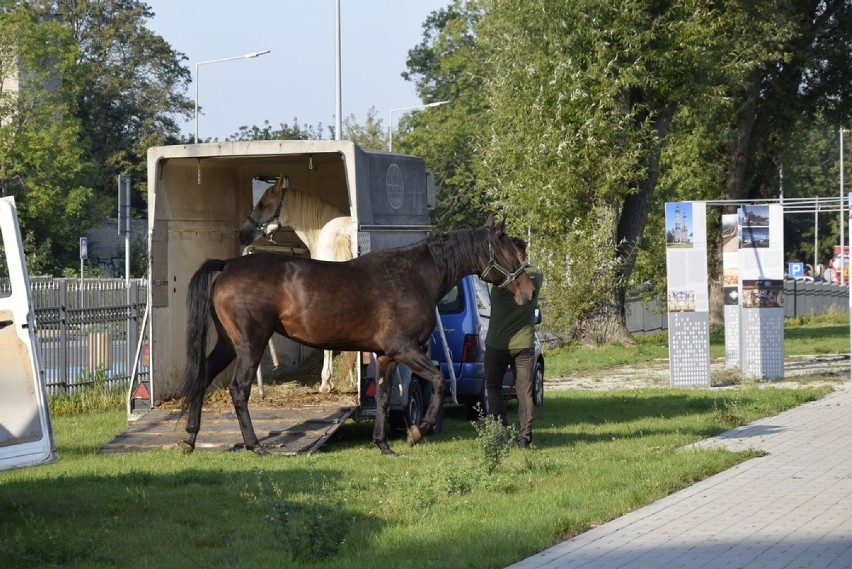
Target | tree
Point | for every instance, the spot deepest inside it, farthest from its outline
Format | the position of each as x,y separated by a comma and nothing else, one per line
132,90
98,89
370,135
447,66
40,160
792,80
595,107
283,132
582,96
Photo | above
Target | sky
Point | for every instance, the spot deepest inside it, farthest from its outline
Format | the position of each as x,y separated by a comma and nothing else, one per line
295,82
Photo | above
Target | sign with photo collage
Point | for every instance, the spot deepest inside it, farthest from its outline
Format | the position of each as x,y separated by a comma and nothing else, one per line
687,294
761,291
731,288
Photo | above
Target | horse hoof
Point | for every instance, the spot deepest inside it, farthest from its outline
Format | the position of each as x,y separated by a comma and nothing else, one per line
386,450
185,447
414,435
325,388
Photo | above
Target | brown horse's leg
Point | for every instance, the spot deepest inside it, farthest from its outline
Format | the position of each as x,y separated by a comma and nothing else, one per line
221,356
240,389
384,373
420,365
244,372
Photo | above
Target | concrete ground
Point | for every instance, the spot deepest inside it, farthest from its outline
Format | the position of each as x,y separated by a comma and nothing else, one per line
791,508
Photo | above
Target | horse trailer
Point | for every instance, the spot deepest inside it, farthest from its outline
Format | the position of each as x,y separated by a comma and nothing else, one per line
198,197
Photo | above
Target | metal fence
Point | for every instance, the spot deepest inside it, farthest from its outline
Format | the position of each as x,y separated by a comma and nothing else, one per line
88,331
801,298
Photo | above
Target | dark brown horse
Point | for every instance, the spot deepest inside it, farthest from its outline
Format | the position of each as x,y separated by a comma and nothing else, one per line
382,302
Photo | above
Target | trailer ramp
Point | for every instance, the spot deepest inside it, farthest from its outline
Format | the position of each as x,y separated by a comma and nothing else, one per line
287,431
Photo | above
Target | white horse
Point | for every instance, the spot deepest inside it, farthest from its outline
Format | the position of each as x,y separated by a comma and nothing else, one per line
324,228
335,244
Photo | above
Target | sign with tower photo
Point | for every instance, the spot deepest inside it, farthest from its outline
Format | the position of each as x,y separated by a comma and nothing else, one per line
761,291
687,294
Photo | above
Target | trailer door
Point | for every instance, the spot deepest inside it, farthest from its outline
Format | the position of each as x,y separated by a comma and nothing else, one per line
25,433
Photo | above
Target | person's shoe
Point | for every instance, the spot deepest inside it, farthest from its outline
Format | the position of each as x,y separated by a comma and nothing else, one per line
524,444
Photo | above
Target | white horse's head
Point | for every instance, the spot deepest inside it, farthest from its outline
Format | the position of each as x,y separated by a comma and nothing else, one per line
265,218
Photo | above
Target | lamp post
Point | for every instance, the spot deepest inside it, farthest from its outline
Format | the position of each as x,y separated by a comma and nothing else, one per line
392,111
200,63
338,82
842,200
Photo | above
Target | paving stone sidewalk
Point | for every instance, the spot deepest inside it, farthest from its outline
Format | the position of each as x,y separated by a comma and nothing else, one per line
789,509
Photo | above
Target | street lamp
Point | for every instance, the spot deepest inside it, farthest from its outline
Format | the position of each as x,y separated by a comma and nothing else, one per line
842,200
392,111
200,63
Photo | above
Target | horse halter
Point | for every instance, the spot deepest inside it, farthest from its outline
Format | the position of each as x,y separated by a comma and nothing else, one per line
270,226
492,264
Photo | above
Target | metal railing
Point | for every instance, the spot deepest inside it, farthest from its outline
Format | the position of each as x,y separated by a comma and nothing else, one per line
88,331
801,298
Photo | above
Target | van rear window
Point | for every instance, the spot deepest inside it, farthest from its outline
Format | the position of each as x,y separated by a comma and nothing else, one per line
453,302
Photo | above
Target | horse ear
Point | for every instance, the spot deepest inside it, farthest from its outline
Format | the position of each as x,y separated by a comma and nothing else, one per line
499,227
489,221
282,183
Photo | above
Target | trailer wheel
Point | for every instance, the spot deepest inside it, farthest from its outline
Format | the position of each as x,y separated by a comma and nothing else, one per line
413,410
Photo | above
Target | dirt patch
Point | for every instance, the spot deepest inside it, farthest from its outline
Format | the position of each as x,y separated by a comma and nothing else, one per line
289,388
798,371
300,387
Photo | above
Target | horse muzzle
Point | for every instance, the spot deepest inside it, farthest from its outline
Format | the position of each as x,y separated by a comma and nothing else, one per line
524,290
248,234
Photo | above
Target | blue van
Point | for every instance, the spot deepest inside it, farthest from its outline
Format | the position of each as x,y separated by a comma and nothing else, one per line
465,312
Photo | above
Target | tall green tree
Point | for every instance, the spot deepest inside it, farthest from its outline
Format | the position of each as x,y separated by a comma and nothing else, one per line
447,66
133,86
582,97
787,83
593,107
41,163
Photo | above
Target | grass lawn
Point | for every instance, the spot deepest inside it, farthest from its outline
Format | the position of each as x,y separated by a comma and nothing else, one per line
453,500
598,454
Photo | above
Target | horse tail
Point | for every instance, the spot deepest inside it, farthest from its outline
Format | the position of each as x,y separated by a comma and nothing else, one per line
198,309
342,247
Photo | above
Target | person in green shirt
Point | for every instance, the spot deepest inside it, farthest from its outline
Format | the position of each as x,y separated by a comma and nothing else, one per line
509,342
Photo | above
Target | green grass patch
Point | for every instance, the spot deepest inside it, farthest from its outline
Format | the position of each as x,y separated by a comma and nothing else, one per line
597,455
811,335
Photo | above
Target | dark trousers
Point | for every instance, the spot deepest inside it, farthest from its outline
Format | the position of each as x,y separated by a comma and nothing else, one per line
496,363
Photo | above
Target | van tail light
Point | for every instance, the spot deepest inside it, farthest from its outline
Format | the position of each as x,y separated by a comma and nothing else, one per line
470,348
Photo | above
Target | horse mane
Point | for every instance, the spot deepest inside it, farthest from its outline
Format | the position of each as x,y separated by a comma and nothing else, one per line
306,212
456,249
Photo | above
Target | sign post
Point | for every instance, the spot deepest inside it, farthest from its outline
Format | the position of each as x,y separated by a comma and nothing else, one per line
84,254
124,220
796,270
761,232
688,296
